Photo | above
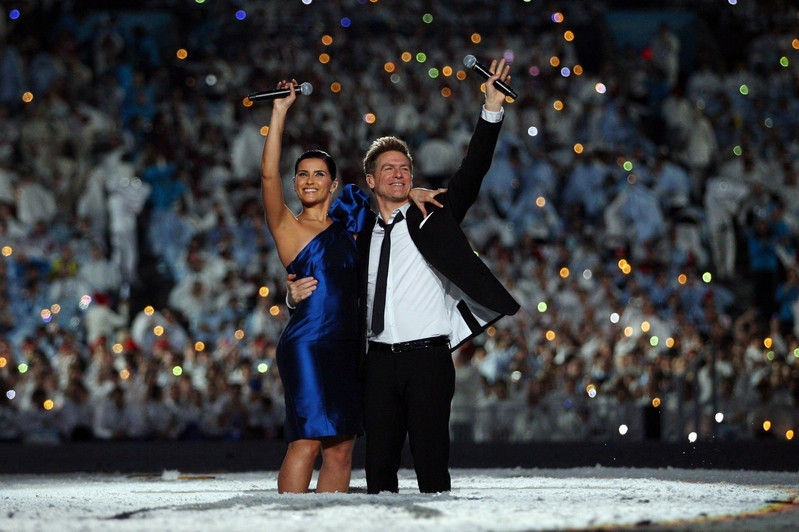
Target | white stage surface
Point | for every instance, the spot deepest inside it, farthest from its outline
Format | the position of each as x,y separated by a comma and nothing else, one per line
481,500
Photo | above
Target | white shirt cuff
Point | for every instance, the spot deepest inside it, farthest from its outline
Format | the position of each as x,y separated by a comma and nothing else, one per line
492,116
289,304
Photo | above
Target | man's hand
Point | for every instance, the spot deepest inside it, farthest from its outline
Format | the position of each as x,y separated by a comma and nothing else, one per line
494,98
299,289
420,196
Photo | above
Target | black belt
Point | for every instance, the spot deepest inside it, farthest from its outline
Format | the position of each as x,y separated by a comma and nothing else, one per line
424,343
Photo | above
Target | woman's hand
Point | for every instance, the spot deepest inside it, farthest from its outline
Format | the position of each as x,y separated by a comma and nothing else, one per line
420,196
282,104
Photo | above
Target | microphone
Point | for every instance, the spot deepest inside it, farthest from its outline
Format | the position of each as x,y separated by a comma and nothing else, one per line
471,62
304,89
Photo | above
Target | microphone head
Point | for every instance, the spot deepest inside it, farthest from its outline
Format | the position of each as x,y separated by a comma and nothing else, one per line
306,88
469,61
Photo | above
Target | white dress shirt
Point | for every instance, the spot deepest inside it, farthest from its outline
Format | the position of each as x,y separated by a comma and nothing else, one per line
415,303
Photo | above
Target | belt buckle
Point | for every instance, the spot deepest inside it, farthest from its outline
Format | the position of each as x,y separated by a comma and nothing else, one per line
395,348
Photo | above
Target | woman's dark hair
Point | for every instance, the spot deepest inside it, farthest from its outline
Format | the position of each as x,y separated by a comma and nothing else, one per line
318,154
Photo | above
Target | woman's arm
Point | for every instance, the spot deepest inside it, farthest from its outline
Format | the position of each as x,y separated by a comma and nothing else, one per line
279,218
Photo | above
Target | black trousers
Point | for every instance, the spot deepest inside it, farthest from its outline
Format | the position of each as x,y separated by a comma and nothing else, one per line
408,393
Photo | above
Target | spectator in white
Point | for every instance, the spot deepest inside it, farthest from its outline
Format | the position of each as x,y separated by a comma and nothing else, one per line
468,388
34,202
101,320
192,299
99,273
160,418
701,149
678,112
672,184
634,217
666,53
76,416
13,229
118,419
437,158
39,424
722,199
12,74
704,85
126,196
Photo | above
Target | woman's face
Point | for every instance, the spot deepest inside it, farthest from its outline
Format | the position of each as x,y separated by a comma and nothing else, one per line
313,182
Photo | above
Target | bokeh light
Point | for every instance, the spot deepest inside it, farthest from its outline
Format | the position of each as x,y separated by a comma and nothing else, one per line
327,40
27,97
446,92
241,14
568,35
369,118
476,38
389,67
421,57
540,201
558,105
406,57
335,87
345,22
554,61
324,58
182,53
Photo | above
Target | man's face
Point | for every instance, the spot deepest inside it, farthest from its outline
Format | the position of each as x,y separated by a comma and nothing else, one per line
392,178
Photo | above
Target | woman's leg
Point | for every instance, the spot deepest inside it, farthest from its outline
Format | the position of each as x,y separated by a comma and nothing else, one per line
336,464
297,469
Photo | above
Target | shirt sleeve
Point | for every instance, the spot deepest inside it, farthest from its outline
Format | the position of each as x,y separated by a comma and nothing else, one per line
492,116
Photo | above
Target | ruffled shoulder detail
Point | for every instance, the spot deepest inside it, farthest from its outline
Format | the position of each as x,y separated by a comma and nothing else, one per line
351,208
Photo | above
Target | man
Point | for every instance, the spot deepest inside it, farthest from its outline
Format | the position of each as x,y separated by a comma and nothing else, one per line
438,294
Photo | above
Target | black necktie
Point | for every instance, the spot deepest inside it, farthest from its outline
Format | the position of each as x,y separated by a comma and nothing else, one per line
379,307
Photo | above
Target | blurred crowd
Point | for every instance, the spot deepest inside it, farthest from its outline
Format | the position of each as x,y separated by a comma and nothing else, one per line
644,212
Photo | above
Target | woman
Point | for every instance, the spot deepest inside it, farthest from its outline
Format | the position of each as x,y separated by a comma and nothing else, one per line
317,352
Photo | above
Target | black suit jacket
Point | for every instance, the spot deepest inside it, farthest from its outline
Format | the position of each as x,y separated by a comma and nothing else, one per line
477,295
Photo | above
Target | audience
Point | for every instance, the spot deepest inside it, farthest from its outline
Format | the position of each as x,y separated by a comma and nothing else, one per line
643,211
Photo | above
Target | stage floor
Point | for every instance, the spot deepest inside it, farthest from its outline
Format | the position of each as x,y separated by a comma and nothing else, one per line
596,498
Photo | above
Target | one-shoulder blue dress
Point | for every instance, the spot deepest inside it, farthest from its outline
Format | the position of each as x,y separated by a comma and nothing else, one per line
317,351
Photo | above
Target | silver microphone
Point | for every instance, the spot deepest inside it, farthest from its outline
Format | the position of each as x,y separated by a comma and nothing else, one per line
304,89
471,62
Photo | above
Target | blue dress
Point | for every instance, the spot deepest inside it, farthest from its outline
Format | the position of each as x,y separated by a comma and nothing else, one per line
317,352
